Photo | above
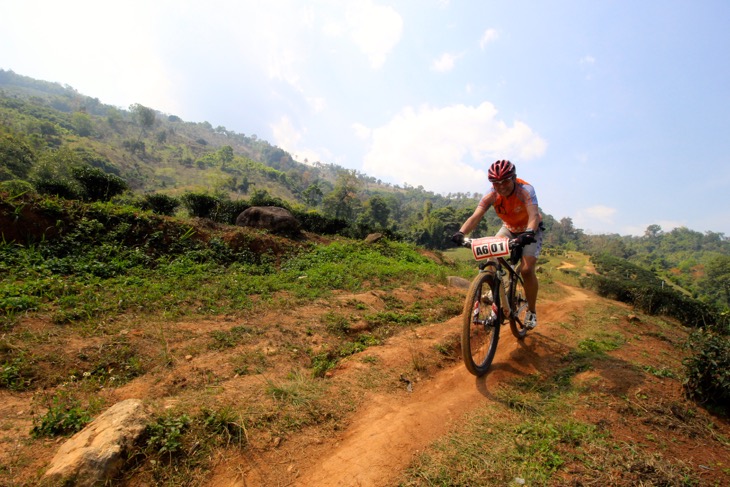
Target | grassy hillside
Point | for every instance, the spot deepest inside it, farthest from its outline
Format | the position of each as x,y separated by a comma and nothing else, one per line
153,152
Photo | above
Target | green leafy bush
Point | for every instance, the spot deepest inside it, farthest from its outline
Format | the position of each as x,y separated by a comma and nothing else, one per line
629,283
15,374
16,157
64,416
98,185
226,423
161,204
708,369
228,211
165,435
16,187
62,188
312,221
200,205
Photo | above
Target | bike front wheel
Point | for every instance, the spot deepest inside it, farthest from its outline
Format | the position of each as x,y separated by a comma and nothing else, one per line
480,325
518,303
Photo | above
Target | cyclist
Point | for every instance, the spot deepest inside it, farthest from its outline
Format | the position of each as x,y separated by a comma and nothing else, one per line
515,202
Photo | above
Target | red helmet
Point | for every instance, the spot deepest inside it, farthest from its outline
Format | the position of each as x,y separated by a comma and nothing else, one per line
501,170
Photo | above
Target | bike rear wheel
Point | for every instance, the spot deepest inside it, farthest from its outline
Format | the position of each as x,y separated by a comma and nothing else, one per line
518,303
480,325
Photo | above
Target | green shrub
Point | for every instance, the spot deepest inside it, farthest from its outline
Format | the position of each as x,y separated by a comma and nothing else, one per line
226,423
161,204
64,416
16,157
98,185
200,205
62,188
164,436
314,222
16,374
653,300
16,187
708,369
228,211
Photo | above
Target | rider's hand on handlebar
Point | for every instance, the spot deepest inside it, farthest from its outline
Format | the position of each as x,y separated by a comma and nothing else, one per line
525,238
458,238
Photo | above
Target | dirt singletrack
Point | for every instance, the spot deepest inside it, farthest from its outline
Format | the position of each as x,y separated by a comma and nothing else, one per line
389,429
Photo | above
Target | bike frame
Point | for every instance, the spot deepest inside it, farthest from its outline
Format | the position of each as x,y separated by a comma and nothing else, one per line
502,267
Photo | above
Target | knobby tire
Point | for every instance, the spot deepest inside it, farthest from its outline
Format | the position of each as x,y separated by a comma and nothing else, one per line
480,333
518,304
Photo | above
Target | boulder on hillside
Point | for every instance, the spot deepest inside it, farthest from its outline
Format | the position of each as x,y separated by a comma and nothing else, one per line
460,282
272,218
373,238
94,455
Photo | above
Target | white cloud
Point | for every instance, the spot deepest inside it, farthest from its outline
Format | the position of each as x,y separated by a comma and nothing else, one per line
445,62
361,131
291,140
375,30
489,36
447,149
317,103
601,213
586,63
588,60
285,135
598,216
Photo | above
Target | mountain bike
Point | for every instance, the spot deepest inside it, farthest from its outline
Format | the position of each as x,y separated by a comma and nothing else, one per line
495,293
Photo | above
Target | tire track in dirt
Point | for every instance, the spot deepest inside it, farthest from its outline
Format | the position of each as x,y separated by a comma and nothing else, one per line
391,429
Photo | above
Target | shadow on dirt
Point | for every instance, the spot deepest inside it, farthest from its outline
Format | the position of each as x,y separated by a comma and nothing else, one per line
555,362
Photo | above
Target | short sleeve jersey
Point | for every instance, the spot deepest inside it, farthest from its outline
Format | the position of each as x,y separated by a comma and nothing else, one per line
512,209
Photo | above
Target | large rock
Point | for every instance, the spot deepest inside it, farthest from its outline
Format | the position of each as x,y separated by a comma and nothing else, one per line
374,238
94,455
272,218
460,282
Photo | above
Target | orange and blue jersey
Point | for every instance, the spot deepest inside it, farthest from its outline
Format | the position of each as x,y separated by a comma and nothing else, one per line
513,209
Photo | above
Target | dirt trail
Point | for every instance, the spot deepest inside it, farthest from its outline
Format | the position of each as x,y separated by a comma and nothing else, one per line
392,428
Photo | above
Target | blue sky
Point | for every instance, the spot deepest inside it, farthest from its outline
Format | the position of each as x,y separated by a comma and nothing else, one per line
618,112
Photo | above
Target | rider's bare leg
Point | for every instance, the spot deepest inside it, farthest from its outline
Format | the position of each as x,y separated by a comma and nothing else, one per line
529,276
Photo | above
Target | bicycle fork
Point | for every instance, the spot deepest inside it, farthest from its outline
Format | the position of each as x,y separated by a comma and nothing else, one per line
503,277
487,299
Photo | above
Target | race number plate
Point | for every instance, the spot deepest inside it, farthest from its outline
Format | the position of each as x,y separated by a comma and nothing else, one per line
487,247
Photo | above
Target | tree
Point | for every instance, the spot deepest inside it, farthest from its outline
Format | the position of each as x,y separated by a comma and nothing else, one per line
561,233
82,124
144,116
225,154
340,203
717,279
378,211
430,231
653,231
313,194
